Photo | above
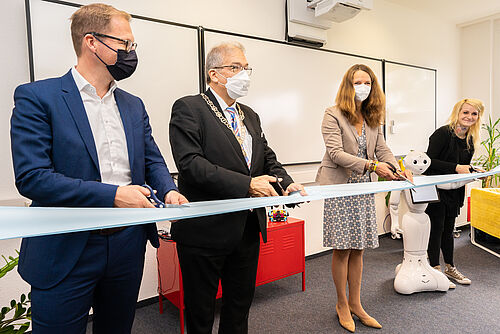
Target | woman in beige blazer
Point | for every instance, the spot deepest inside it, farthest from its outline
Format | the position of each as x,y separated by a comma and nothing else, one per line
355,147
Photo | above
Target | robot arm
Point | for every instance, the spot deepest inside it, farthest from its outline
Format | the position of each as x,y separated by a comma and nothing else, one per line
453,185
393,209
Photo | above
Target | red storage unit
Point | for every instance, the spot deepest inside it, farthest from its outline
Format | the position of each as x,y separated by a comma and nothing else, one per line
169,277
283,255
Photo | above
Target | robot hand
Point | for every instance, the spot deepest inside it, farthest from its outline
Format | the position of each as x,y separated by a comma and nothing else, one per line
396,231
453,185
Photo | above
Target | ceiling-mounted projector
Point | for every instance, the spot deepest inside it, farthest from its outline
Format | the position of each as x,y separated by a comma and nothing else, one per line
338,10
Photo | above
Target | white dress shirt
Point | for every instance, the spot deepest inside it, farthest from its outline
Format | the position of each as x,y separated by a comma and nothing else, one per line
247,137
107,128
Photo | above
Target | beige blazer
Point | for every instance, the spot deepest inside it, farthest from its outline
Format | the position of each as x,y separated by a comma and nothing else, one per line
341,143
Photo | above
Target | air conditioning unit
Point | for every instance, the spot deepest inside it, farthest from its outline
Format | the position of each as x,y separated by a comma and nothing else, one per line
338,10
308,20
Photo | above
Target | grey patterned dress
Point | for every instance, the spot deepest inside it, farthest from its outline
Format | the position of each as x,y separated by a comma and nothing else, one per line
350,222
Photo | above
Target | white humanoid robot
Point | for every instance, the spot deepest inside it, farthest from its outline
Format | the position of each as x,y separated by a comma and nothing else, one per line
415,273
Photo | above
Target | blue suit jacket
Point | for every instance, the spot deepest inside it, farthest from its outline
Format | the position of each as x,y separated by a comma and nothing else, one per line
55,164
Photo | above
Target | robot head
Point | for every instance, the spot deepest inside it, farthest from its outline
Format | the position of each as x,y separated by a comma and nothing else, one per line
417,162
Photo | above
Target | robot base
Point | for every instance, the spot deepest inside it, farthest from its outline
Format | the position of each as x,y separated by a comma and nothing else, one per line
415,275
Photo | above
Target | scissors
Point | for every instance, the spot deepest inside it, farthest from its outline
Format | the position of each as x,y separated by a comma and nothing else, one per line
398,174
279,184
156,201
283,193
473,169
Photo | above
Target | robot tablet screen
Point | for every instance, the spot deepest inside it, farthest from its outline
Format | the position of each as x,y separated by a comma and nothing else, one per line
427,194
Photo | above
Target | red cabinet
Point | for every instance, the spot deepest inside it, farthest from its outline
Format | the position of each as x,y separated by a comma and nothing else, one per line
283,255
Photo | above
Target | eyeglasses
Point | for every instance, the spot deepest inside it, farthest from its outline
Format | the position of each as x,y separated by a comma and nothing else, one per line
237,68
129,45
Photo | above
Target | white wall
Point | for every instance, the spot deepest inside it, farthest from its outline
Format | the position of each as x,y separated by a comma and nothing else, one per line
388,31
480,49
14,60
480,69
495,84
476,48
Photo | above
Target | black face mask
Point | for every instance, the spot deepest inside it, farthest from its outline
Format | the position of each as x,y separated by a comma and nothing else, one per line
126,63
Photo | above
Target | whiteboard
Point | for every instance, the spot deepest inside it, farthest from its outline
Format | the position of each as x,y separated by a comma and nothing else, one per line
167,69
290,89
411,107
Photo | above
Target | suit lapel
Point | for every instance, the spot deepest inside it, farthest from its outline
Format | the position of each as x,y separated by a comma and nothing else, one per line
229,133
124,109
371,138
74,102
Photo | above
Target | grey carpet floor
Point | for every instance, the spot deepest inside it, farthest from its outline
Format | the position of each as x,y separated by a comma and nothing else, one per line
281,306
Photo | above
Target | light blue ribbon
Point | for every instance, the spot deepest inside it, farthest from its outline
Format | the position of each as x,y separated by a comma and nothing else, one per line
20,222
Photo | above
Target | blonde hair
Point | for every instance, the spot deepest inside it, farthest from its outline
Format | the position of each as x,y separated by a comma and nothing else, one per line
372,109
473,131
92,18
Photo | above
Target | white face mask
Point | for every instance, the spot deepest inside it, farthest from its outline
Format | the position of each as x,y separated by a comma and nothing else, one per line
237,85
362,91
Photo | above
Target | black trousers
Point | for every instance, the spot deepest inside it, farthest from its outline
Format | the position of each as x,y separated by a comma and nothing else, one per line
237,270
441,236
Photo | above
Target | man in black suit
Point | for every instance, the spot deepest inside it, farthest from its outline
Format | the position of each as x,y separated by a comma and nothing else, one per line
221,153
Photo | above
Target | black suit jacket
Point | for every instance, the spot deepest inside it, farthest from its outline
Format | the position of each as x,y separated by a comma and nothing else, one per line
211,166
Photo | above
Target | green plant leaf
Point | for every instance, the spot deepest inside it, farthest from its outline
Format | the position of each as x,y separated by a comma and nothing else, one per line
24,327
19,311
492,146
7,330
8,326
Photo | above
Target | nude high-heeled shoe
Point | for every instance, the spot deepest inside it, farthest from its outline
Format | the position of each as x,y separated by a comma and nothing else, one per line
369,321
349,325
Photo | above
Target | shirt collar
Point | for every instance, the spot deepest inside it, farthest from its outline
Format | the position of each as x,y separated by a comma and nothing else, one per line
222,103
84,86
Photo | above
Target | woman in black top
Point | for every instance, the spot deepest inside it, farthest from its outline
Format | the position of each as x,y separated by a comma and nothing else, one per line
451,148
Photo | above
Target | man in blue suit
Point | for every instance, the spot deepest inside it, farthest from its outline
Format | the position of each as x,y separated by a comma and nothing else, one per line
79,141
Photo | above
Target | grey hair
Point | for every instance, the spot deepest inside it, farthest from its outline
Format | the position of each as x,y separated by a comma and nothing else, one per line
215,56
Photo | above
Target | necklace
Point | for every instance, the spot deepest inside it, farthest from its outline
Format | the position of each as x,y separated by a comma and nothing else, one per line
223,119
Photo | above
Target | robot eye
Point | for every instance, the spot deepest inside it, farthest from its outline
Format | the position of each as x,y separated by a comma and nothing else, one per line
414,162
425,161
